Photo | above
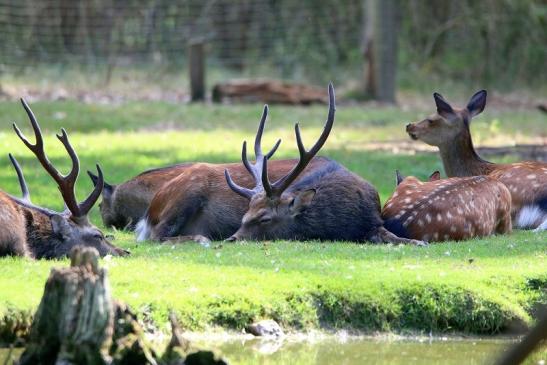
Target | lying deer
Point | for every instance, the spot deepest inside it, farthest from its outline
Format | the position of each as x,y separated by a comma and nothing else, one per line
197,205
448,129
318,199
452,209
29,230
123,205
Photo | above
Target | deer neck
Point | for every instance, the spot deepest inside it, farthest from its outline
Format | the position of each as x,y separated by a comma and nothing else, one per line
460,158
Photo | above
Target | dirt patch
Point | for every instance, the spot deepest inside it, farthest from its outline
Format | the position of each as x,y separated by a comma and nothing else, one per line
536,152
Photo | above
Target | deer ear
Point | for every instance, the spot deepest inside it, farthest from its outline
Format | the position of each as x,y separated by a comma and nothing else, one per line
107,189
301,201
434,176
60,225
477,103
443,108
398,177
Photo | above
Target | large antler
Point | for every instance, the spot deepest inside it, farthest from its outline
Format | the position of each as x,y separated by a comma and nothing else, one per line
65,183
254,169
278,187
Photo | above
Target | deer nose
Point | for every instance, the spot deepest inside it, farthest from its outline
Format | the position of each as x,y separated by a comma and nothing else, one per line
408,126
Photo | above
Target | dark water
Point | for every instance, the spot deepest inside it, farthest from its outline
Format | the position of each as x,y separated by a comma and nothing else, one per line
357,351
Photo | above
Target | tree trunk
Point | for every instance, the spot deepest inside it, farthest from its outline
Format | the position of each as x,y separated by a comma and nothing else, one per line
380,49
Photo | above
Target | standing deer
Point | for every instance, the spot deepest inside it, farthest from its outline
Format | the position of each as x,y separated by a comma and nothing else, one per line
123,205
30,230
448,129
317,199
452,209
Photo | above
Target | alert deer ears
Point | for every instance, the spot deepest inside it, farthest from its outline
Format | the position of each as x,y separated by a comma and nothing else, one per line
443,108
301,201
107,189
398,177
477,103
60,225
434,176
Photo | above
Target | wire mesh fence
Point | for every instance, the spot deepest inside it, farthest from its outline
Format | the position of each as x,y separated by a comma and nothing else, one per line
494,42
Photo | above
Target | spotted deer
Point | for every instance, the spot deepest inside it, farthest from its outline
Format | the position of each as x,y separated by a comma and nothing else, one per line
123,205
30,230
448,129
197,205
317,199
451,209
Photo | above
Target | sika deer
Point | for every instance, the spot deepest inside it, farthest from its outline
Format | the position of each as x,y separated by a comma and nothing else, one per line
448,129
321,200
448,210
197,205
30,230
123,205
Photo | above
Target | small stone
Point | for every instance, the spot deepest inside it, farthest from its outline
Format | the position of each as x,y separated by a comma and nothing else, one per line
265,328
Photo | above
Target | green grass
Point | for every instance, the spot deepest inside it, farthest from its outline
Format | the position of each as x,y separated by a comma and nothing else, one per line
480,286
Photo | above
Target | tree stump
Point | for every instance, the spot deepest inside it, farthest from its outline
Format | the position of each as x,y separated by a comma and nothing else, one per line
74,321
78,322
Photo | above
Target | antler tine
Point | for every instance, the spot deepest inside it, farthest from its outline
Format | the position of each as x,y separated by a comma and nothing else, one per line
254,169
278,187
85,206
258,138
244,192
65,183
21,177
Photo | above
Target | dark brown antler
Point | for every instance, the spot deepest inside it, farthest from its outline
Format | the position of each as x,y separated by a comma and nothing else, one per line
22,183
254,169
278,187
65,183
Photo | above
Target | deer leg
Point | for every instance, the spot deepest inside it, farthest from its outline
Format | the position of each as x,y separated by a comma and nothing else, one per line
202,240
505,225
385,236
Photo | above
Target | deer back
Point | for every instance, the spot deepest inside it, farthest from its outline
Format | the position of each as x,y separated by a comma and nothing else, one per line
448,209
123,205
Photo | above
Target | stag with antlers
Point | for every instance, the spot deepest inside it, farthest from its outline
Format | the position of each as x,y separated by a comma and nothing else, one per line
29,230
317,199
198,206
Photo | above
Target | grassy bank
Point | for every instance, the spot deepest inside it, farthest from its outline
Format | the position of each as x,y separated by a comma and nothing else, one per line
479,286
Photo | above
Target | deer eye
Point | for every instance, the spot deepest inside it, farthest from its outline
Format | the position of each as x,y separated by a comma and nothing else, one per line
265,220
98,236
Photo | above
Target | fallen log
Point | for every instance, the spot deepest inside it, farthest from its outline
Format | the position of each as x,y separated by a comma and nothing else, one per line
269,92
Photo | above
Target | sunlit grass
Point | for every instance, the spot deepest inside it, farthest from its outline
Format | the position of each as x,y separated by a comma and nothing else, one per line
480,286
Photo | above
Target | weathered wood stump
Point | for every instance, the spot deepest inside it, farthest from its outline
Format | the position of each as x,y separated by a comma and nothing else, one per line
78,322
269,91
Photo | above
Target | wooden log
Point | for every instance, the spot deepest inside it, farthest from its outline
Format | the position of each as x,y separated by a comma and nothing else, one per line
268,91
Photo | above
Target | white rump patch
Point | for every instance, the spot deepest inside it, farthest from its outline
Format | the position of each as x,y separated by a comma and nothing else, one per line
143,230
529,216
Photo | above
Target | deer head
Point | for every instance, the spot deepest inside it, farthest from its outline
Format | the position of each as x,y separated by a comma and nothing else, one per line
436,175
273,209
448,124
71,227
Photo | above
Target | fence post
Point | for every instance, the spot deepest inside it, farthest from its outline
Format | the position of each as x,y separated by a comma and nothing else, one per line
197,70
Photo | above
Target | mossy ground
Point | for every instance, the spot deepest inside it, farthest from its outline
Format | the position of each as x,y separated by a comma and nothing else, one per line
479,286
